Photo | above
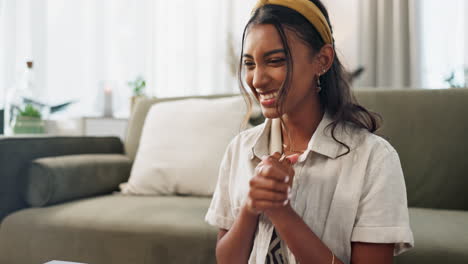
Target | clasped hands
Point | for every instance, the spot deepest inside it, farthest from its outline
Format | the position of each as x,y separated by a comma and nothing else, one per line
270,187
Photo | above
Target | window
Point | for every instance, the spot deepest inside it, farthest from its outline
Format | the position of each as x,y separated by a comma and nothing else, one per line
180,47
444,42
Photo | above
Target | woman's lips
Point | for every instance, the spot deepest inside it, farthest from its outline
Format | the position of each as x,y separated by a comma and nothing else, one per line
268,99
268,102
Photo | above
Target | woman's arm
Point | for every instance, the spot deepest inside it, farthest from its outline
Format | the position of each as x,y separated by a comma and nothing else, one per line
303,243
308,248
234,245
367,253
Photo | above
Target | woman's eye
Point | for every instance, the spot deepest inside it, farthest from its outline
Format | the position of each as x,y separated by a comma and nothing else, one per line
248,63
276,61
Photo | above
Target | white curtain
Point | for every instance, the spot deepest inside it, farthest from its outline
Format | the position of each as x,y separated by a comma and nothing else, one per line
180,47
390,37
75,46
191,48
197,45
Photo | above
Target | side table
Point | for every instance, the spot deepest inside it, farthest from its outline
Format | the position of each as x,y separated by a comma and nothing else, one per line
105,126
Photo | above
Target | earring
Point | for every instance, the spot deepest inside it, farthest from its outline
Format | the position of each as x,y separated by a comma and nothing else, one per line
319,85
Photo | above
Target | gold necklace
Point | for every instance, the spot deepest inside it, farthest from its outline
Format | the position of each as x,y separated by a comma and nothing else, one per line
285,147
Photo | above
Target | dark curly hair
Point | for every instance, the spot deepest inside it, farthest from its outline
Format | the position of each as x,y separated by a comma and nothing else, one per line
336,96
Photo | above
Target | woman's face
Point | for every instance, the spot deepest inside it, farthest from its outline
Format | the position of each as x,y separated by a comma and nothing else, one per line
265,66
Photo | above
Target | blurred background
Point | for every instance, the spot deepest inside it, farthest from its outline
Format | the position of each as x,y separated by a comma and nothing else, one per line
91,57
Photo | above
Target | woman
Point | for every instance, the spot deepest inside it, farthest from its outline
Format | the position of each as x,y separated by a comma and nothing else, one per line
313,184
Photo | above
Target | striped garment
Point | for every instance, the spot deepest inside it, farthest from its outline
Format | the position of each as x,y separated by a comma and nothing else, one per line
275,254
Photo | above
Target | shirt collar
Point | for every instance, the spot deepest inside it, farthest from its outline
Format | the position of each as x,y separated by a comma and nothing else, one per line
321,142
261,143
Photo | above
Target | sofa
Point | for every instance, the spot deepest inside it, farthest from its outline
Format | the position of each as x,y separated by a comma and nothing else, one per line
79,215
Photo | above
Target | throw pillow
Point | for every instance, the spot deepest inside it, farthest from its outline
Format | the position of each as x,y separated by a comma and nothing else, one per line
53,180
182,145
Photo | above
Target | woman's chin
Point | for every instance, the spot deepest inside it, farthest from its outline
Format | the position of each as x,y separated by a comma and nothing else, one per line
270,113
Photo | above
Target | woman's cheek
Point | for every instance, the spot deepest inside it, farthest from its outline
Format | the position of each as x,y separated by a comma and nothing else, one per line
279,74
249,82
249,78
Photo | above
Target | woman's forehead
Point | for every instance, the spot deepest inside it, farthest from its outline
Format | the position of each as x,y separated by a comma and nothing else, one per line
262,36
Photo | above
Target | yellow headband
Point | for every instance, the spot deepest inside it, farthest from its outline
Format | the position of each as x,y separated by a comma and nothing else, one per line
309,10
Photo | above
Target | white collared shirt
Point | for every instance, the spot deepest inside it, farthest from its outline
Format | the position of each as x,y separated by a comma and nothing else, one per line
360,196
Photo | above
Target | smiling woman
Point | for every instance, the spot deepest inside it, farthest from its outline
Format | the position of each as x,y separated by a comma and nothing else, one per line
327,189
314,62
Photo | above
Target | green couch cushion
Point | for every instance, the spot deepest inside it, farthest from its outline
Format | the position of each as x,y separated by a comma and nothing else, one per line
16,154
441,236
58,179
111,229
428,128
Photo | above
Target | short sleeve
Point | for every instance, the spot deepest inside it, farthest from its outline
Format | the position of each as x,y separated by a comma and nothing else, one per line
220,211
382,215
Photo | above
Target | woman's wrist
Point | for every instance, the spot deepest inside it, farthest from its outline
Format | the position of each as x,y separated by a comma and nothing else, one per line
248,211
280,213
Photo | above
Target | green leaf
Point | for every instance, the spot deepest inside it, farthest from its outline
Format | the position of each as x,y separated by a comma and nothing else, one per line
30,111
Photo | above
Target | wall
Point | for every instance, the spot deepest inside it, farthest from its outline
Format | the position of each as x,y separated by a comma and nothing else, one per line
344,16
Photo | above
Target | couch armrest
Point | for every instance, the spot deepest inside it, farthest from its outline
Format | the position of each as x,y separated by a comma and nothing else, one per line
58,179
17,153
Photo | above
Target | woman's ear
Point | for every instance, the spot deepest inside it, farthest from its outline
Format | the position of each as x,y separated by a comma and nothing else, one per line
325,58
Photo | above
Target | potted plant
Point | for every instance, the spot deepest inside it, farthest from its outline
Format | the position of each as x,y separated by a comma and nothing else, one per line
455,82
138,90
28,121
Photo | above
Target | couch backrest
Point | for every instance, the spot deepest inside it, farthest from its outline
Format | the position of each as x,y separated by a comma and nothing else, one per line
429,130
138,116
16,154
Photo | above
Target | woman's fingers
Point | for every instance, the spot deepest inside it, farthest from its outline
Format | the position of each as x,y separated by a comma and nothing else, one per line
292,158
272,167
269,184
273,172
270,187
265,195
260,205
276,155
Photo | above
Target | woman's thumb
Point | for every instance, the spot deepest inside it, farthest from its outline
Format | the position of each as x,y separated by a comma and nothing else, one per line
293,158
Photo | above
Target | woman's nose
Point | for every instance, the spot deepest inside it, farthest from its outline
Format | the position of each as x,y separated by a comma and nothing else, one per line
260,78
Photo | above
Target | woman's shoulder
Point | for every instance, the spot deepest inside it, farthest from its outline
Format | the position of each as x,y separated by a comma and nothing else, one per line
378,144
249,136
241,146
372,143
376,153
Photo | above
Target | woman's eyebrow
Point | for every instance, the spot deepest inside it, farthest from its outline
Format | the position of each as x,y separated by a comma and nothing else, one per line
266,53
273,52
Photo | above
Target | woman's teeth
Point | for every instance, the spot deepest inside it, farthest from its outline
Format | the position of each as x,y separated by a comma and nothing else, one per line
268,96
